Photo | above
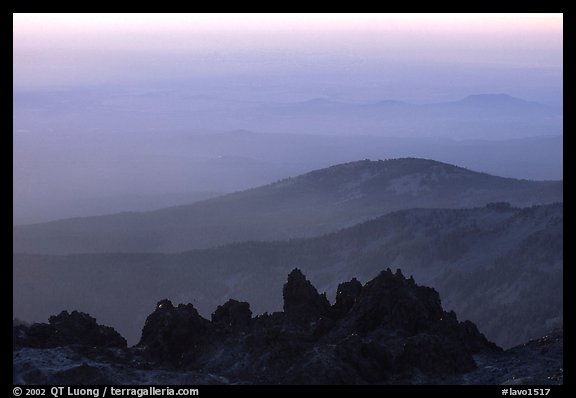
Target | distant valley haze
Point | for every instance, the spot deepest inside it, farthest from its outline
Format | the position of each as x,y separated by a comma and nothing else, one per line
60,166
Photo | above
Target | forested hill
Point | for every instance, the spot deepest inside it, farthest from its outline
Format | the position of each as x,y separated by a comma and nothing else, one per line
309,205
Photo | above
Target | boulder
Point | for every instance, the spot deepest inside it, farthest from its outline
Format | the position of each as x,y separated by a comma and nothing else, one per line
66,329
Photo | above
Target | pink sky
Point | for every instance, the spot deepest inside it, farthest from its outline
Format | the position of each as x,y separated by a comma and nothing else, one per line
48,46
291,22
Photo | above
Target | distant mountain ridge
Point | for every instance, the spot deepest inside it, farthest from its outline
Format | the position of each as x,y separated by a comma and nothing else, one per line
472,99
496,99
385,117
311,204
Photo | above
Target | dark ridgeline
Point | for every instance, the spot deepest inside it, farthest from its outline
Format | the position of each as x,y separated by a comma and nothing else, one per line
387,331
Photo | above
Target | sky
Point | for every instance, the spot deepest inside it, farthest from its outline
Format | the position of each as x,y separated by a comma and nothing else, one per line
417,57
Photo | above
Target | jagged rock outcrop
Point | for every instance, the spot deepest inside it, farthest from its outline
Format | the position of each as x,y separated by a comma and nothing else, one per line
174,334
406,326
232,315
346,296
393,302
389,330
66,329
302,302
372,334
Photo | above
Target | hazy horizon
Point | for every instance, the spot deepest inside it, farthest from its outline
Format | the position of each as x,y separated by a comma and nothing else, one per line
110,105
376,56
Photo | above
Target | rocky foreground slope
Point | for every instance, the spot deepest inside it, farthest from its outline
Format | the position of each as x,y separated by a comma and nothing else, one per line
387,331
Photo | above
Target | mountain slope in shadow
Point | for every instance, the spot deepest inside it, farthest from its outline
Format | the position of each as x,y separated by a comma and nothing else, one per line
499,266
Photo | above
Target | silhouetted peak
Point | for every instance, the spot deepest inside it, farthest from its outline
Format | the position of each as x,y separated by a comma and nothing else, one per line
233,315
296,276
391,301
169,331
494,100
301,299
